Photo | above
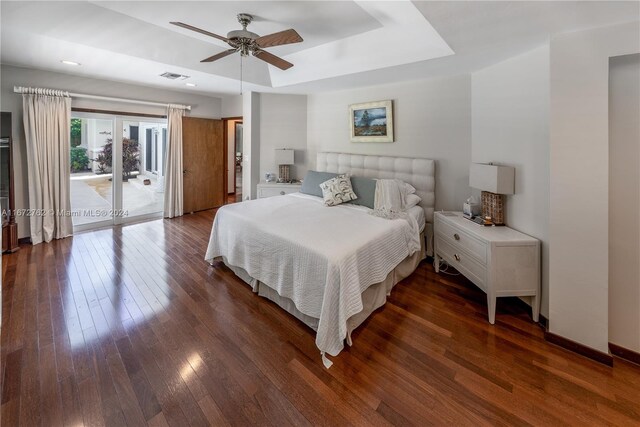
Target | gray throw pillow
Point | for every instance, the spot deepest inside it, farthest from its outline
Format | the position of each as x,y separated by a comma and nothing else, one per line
365,189
312,181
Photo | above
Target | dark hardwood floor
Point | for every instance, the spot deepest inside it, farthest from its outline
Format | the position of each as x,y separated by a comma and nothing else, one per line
131,326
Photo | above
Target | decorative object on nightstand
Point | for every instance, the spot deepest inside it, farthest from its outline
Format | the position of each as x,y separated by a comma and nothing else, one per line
284,158
471,208
270,189
494,181
499,260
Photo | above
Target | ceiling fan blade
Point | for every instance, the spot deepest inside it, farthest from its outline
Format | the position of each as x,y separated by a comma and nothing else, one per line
219,55
280,38
272,59
198,30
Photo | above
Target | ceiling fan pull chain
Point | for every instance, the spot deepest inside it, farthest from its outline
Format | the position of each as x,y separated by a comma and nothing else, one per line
240,74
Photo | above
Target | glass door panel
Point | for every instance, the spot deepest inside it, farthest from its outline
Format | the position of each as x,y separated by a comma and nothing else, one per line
91,170
143,169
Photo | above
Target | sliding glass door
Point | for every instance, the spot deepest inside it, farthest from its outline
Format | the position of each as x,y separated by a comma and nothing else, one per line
91,170
143,162
117,169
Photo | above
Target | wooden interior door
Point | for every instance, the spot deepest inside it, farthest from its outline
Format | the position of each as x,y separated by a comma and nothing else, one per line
204,164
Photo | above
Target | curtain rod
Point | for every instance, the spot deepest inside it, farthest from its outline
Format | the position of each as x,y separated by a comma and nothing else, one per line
20,89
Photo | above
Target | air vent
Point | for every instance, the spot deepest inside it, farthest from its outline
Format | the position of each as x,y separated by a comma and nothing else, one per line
173,76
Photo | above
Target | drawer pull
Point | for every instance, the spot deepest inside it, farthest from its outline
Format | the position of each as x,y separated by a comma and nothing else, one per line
456,236
282,193
457,257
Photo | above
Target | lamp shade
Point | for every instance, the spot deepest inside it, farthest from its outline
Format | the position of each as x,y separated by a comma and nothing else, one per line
284,156
492,178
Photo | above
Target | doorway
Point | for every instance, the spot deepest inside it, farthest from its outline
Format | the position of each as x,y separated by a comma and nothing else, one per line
233,135
116,169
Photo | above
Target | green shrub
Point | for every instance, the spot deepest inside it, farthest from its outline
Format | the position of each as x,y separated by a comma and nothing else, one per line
76,132
79,159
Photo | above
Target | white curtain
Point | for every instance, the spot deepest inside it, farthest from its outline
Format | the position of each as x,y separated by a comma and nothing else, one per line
47,128
173,173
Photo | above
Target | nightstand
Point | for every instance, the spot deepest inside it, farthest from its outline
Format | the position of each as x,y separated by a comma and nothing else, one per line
499,260
270,189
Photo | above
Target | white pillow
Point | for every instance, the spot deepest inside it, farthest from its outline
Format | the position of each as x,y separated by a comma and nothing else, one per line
411,200
408,188
337,190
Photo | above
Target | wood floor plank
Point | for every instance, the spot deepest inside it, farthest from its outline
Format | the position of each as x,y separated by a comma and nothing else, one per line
71,408
158,379
12,375
129,326
90,402
146,397
51,404
124,389
212,411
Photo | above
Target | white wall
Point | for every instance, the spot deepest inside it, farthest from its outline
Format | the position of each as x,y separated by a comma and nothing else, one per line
510,126
232,106
202,106
432,119
624,201
250,144
579,177
283,124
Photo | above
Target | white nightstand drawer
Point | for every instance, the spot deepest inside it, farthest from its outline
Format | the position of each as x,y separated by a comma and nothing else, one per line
271,190
461,240
462,262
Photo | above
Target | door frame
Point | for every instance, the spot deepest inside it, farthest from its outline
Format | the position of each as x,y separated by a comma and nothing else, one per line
225,137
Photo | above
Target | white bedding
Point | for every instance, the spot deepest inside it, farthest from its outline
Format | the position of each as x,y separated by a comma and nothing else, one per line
322,258
418,214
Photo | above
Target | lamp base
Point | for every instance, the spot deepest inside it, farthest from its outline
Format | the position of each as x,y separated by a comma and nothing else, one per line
493,207
284,173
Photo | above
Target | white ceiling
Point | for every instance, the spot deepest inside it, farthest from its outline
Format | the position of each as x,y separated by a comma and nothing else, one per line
346,43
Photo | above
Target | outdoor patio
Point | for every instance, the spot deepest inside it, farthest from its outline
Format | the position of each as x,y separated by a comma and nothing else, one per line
91,195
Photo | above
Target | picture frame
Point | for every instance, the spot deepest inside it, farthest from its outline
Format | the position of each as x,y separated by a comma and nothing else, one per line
371,121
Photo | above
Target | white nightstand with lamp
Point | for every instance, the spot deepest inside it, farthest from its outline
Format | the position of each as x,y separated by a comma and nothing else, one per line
499,260
285,185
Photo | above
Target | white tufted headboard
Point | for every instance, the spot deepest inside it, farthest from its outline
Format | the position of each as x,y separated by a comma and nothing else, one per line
420,173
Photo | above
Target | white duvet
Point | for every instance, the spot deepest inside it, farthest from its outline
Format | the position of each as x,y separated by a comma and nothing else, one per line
322,258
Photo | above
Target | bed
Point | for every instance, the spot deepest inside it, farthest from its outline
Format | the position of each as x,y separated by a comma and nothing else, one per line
328,267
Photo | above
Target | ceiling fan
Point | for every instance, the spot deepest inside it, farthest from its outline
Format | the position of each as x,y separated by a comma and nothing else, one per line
246,42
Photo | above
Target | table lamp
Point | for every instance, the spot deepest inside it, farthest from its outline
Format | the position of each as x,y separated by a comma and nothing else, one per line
284,158
494,181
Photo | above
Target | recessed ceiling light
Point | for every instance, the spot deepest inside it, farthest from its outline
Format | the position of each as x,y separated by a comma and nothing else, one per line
70,62
190,84
173,76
